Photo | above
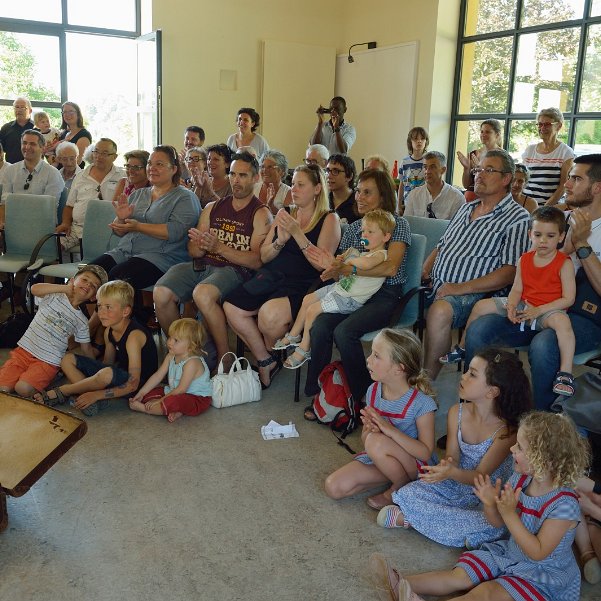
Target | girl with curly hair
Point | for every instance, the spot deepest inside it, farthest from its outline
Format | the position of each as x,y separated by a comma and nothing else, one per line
539,508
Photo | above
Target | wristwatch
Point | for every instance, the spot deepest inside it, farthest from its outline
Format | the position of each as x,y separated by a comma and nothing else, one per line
583,252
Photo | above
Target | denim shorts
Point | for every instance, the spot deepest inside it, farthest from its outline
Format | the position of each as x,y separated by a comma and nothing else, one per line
90,367
462,306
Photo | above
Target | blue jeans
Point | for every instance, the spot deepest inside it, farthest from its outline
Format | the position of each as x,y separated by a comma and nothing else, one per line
543,352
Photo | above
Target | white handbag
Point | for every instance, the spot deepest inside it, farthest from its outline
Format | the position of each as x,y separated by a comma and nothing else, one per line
237,387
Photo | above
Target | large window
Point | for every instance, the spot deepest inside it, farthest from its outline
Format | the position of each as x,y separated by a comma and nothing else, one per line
77,50
516,57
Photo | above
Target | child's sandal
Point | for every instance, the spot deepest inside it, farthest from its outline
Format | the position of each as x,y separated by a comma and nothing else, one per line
388,516
293,363
286,342
564,384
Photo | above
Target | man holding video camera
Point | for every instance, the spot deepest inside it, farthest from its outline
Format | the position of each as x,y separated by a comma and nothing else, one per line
335,134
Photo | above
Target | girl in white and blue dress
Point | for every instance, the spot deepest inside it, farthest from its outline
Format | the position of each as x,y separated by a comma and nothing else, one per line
538,506
442,504
189,390
398,422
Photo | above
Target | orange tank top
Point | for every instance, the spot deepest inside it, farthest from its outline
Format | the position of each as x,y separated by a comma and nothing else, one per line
541,285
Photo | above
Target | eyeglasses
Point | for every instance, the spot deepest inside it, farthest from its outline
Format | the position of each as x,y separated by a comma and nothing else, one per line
193,159
542,124
268,167
69,112
102,153
133,167
66,159
334,171
311,162
487,170
99,193
29,178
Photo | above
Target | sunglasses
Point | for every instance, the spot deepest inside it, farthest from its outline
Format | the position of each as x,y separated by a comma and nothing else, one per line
29,178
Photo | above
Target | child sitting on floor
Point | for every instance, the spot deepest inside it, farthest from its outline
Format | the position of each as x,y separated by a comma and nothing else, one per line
544,287
189,390
398,422
349,293
130,356
540,509
36,360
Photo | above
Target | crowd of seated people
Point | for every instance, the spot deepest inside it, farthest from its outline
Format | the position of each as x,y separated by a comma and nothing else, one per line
218,228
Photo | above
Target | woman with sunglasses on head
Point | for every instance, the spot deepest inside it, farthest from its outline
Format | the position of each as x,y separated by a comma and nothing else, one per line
74,131
152,224
262,310
135,173
549,161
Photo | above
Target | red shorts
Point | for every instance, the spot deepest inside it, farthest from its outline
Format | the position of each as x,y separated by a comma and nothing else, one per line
22,365
187,404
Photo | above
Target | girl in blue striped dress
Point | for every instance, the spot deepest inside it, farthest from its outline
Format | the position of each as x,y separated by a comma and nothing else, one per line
398,422
441,504
539,508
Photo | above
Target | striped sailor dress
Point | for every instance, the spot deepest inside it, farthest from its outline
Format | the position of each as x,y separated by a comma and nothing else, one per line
554,578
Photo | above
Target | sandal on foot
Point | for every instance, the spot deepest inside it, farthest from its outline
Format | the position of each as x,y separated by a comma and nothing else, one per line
272,372
384,577
591,567
293,363
454,356
286,342
387,518
564,384
59,399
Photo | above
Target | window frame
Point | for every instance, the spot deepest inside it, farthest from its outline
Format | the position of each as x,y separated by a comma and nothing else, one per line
507,117
60,31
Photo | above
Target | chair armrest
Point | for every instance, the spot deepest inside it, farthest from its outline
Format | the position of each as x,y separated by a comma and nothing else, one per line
404,301
36,251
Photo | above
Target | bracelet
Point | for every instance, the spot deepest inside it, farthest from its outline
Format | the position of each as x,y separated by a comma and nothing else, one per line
354,272
304,248
277,245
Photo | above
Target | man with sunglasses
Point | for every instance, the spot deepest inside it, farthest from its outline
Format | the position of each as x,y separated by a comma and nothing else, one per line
476,256
32,175
97,181
436,199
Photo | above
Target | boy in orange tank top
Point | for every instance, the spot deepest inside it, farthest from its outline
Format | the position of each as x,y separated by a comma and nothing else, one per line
544,287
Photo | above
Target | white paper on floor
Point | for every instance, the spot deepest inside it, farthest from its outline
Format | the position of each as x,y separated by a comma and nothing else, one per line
274,430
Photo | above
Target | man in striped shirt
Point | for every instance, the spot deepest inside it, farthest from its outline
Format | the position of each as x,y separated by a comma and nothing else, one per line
477,254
